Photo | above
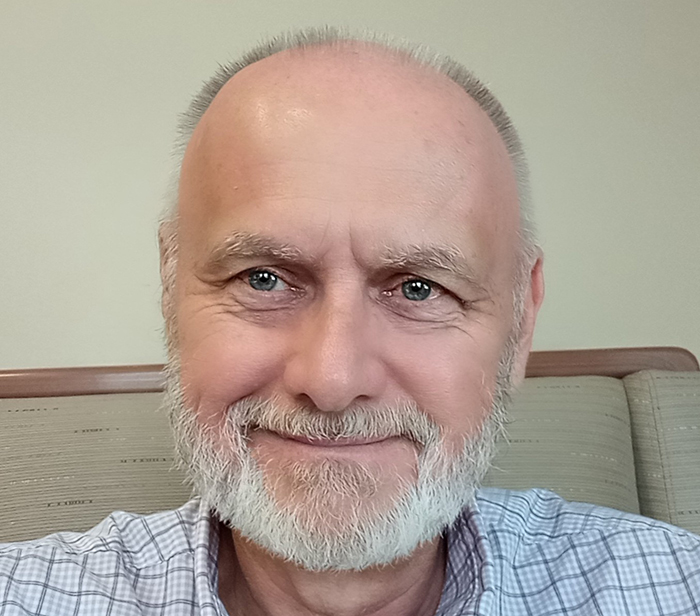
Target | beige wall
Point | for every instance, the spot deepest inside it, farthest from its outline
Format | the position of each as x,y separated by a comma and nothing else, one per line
606,95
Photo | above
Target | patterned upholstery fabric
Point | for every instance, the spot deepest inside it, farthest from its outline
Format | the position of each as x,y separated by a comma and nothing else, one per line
571,435
665,409
67,462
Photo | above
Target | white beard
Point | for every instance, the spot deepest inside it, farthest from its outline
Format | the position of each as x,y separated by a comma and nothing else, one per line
310,529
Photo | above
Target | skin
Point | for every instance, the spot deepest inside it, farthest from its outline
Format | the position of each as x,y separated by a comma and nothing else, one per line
345,173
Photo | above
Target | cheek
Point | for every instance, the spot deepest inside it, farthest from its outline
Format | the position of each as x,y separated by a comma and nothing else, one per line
224,359
451,375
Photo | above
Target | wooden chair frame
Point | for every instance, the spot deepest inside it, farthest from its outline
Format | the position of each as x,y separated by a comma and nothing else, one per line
616,363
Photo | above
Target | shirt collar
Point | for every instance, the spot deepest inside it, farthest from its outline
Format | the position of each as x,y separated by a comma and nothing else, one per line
206,570
469,573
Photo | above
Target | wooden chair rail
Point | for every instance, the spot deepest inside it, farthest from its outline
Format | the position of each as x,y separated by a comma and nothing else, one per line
616,363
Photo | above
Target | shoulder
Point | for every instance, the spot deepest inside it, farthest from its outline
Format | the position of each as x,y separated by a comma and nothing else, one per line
540,516
129,563
570,554
138,540
547,554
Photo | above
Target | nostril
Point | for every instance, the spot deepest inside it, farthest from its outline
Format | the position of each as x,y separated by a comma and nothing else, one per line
305,401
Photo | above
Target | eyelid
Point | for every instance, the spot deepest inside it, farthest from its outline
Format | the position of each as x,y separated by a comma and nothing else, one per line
442,290
435,286
259,268
281,280
291,281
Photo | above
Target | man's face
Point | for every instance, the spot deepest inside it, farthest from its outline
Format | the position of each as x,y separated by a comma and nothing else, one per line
348,239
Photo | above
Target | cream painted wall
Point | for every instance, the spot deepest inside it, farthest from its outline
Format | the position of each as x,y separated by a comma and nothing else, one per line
606,95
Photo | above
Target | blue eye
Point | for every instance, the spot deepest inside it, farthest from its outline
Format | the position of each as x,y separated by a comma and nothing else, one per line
262,280
416,290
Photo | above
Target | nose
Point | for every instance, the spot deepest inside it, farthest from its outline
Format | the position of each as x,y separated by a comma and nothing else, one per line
334,358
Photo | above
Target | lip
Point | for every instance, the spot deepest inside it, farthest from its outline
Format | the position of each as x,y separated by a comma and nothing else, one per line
340,442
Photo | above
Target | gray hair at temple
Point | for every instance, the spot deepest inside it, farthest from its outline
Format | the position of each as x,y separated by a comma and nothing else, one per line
407,52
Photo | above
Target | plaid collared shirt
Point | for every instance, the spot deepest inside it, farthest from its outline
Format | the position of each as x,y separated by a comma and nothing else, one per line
514,553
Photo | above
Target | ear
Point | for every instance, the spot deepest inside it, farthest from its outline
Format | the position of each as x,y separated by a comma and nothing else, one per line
534,295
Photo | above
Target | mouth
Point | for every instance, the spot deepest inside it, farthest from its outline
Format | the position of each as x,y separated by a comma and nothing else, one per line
336,442
385,451
321,442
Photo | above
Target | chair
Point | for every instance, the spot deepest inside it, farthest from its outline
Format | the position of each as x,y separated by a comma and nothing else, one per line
616,427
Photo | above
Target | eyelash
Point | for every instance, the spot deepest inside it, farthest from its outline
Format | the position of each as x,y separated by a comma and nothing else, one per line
387,293
439,289
244,276
434,286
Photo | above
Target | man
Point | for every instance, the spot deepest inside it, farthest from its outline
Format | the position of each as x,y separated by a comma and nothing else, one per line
350,287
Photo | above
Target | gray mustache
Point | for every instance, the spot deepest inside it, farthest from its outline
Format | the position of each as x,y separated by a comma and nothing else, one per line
404,420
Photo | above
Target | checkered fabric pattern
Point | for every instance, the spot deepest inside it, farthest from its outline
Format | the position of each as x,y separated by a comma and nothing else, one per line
514,553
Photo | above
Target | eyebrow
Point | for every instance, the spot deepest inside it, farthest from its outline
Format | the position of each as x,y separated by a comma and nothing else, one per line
243,245
447,259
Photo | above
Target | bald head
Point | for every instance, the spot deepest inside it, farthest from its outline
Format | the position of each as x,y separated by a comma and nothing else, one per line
342,109
327,43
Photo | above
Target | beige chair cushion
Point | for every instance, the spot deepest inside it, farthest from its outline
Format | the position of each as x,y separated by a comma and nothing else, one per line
66,463
665,410
571,435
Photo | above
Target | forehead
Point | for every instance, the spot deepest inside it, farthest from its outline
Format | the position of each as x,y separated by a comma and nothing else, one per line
358,135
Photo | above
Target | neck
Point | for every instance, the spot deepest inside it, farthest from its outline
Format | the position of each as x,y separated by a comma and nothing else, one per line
254,582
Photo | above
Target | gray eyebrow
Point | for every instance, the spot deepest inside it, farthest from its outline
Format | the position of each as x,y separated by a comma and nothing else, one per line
445,258
243,245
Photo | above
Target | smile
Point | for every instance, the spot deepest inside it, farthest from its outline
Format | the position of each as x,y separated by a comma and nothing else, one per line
338,442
